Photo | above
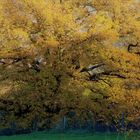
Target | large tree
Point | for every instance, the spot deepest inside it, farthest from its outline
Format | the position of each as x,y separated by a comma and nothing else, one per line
58,56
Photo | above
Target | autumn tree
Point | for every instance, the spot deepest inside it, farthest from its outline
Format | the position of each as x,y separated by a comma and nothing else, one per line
62,56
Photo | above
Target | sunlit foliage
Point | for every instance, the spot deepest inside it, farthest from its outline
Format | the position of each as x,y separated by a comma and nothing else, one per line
47,50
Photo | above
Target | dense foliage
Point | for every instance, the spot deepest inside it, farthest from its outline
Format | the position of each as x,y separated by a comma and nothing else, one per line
64,56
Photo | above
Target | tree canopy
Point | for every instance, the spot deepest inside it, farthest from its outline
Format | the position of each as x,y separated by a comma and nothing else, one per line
58,56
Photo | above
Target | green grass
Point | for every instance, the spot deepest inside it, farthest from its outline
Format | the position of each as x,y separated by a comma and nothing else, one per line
69,136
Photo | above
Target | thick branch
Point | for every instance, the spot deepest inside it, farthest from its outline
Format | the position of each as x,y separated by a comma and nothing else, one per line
91,67
131,46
